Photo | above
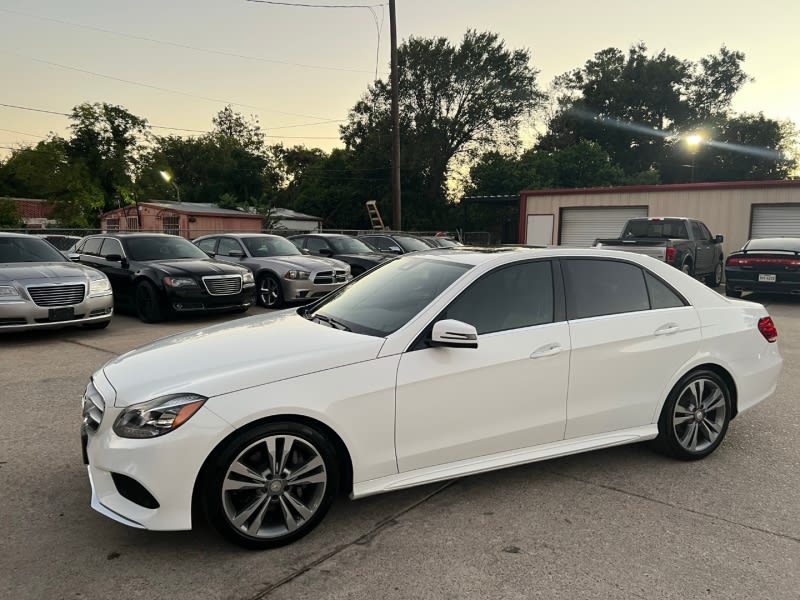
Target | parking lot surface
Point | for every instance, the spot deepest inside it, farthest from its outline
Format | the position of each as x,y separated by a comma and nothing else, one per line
619,523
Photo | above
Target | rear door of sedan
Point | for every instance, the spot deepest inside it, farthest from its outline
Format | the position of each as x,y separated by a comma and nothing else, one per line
630,332
509,393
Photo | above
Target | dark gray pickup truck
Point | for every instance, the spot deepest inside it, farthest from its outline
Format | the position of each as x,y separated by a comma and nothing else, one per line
685,244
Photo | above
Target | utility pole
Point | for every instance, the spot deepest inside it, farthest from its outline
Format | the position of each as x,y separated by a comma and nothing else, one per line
395,76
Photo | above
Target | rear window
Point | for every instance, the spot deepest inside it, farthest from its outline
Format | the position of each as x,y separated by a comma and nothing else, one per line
785,244
657,229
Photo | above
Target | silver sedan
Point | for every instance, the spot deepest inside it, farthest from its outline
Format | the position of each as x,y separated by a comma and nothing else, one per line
40,288
282,272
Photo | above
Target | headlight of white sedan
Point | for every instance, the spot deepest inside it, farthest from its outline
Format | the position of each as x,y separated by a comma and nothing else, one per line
99,287
8,292
297,275
157,417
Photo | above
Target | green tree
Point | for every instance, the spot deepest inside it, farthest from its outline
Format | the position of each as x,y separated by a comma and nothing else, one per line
633,104
9,215
106,138
454,101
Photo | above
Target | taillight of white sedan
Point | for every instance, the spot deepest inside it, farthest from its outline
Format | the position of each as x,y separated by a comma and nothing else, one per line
432,366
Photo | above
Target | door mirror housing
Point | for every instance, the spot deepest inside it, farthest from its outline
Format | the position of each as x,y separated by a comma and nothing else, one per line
114,257
449,333
395,249
326,252
719,239
236,254
305,251
74,257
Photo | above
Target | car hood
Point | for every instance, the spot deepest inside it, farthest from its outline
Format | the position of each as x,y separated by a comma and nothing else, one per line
25,272
235,355
307,263
375,257
184,266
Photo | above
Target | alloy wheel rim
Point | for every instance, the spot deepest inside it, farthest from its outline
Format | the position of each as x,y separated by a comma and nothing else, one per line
274,486
718,274
699,415
687,269
269,291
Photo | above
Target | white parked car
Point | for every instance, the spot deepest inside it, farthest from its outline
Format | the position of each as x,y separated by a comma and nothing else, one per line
432,366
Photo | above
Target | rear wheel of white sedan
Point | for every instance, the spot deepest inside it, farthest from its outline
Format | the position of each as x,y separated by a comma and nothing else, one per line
271,485
695,417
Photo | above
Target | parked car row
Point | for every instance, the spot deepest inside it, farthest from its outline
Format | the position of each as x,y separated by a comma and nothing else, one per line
155,275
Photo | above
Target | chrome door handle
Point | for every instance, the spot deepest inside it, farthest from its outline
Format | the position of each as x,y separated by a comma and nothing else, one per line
667,329
546,350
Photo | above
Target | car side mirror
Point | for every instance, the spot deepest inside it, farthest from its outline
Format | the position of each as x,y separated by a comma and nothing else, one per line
236,254
325,252
117,258
395,249
449,333
74,257
305,251
719,239
210,253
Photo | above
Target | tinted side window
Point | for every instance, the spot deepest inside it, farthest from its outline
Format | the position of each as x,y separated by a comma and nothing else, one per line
603,287
661,295
298,242
698,232
92,246
111,246
509,298
705,231
207,245
316,244
228,245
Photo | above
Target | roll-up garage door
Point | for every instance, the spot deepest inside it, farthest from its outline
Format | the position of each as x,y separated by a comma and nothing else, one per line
775,220
580,227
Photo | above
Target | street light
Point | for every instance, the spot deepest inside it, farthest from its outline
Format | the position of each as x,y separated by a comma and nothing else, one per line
693,142
168,178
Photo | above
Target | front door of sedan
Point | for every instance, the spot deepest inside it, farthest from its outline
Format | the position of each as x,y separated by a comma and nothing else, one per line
631,333
509,393
117,271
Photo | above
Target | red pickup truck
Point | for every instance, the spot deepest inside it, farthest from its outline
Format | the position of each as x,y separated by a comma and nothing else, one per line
685,244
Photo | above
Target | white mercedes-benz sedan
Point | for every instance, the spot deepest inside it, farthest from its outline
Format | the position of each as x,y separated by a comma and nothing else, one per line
432,366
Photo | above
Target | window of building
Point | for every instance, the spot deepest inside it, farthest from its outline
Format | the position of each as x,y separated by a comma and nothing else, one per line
112,224
133,223
171,224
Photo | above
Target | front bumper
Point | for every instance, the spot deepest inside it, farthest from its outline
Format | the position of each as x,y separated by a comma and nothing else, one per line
166,467
198,300
298,290
21,315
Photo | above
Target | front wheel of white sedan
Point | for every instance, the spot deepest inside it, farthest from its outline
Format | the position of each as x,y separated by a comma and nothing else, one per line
695,417
271,485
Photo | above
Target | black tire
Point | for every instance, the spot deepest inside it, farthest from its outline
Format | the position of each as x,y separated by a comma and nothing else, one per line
269,292
730,293
714,279
687,268
248,448
97,324
680,417
147,302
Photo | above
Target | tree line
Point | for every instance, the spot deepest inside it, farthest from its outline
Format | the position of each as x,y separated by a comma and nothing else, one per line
474,121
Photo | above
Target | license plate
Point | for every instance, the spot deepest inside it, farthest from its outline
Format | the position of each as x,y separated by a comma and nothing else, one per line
61,314
764,278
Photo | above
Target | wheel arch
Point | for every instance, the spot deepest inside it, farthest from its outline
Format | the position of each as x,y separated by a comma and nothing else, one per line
342,452
714,367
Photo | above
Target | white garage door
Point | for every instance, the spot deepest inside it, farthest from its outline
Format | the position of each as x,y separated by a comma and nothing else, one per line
580,227
775,220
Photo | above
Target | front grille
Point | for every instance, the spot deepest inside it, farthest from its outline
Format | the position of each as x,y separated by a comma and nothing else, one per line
328,277
93,407
223,285
57,295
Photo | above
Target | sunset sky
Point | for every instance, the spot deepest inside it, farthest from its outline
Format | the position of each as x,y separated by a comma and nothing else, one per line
301,69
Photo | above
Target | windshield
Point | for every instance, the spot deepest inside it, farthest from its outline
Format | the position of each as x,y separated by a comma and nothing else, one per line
345,245
23,249
412,244
385,299
657,229
270,245
162,248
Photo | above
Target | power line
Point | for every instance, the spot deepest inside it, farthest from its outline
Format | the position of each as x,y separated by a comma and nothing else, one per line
23,133
184,46
39,110
167,90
